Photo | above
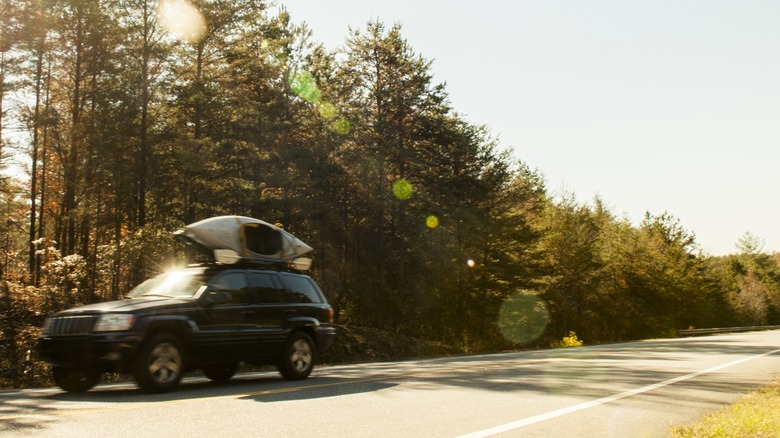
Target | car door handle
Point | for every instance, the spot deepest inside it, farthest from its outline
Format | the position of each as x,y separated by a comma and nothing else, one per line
290,312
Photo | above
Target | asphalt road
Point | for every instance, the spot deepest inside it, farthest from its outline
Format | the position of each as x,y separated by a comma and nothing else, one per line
622,390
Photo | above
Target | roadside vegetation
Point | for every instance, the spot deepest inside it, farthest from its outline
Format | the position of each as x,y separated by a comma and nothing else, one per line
755,415
116,133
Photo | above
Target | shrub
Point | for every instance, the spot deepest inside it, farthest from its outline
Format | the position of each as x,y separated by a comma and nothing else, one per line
570,341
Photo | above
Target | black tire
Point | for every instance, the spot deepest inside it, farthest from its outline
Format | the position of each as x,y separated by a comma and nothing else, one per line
160,364
297,361
220,372
73,380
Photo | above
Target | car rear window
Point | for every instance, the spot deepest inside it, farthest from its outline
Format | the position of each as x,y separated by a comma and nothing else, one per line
300,289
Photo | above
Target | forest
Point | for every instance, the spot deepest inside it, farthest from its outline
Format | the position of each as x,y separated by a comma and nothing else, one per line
119,125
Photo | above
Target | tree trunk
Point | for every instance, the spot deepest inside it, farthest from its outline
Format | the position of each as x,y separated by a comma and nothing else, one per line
36,128
71,171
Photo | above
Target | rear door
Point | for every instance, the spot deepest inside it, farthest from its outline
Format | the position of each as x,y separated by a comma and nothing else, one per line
269,314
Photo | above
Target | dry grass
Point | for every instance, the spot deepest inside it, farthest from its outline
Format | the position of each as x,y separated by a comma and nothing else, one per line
755,415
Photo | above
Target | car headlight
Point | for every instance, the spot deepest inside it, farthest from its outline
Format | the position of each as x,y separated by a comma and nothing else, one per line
112,322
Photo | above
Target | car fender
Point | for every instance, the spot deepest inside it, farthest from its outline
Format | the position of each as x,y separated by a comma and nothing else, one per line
301,321
178,325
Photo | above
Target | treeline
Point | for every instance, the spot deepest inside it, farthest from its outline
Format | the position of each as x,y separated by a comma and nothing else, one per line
422,224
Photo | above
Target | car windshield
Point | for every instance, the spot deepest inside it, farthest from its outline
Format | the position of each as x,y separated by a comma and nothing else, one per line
184,284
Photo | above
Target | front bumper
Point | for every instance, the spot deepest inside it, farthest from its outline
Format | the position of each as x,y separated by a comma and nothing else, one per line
105,352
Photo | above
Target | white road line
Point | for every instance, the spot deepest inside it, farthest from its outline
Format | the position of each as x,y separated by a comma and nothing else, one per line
565,411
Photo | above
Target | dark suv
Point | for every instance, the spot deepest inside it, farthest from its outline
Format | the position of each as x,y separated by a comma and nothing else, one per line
208,317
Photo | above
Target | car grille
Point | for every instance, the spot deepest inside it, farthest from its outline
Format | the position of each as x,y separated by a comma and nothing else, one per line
70,325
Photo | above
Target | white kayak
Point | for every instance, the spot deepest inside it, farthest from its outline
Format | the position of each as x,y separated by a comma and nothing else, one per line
252,239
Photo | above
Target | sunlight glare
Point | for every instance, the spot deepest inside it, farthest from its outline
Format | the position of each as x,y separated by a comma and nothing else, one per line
182,20
172,278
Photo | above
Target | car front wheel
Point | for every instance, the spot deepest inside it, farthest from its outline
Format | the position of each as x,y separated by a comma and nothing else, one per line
297,361
160,364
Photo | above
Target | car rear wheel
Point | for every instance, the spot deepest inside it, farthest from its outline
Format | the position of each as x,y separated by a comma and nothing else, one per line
160,364
74,380
220,372
297,360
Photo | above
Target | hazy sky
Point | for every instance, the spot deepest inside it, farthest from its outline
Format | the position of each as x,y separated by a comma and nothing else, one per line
654,105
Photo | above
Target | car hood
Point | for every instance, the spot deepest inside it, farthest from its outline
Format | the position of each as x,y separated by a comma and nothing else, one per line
132,305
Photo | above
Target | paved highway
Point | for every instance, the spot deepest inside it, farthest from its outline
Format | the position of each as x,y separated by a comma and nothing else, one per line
636,389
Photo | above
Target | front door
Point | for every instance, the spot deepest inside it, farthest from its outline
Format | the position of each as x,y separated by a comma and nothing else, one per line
230,327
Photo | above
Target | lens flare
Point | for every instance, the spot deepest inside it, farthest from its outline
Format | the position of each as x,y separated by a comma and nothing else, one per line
182,20
342,126
304,85
523,318
432,221
402,189
327,110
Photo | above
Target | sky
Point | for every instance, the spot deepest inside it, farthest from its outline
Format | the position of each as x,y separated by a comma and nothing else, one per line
653,106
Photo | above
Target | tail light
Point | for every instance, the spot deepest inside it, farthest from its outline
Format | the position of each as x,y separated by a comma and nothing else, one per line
329,311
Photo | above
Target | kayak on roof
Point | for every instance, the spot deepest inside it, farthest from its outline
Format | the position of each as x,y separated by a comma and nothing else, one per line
252,239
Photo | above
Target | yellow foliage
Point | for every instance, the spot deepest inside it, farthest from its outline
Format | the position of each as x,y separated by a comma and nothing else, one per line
570,341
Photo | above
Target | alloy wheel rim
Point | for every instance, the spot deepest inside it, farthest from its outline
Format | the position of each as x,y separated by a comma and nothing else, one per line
301,356
165,365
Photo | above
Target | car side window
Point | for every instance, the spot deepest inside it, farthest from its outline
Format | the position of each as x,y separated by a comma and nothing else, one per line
233,283
300,289
265,289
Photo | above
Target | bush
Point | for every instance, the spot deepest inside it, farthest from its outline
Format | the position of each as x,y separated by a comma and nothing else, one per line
22,310
570,341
